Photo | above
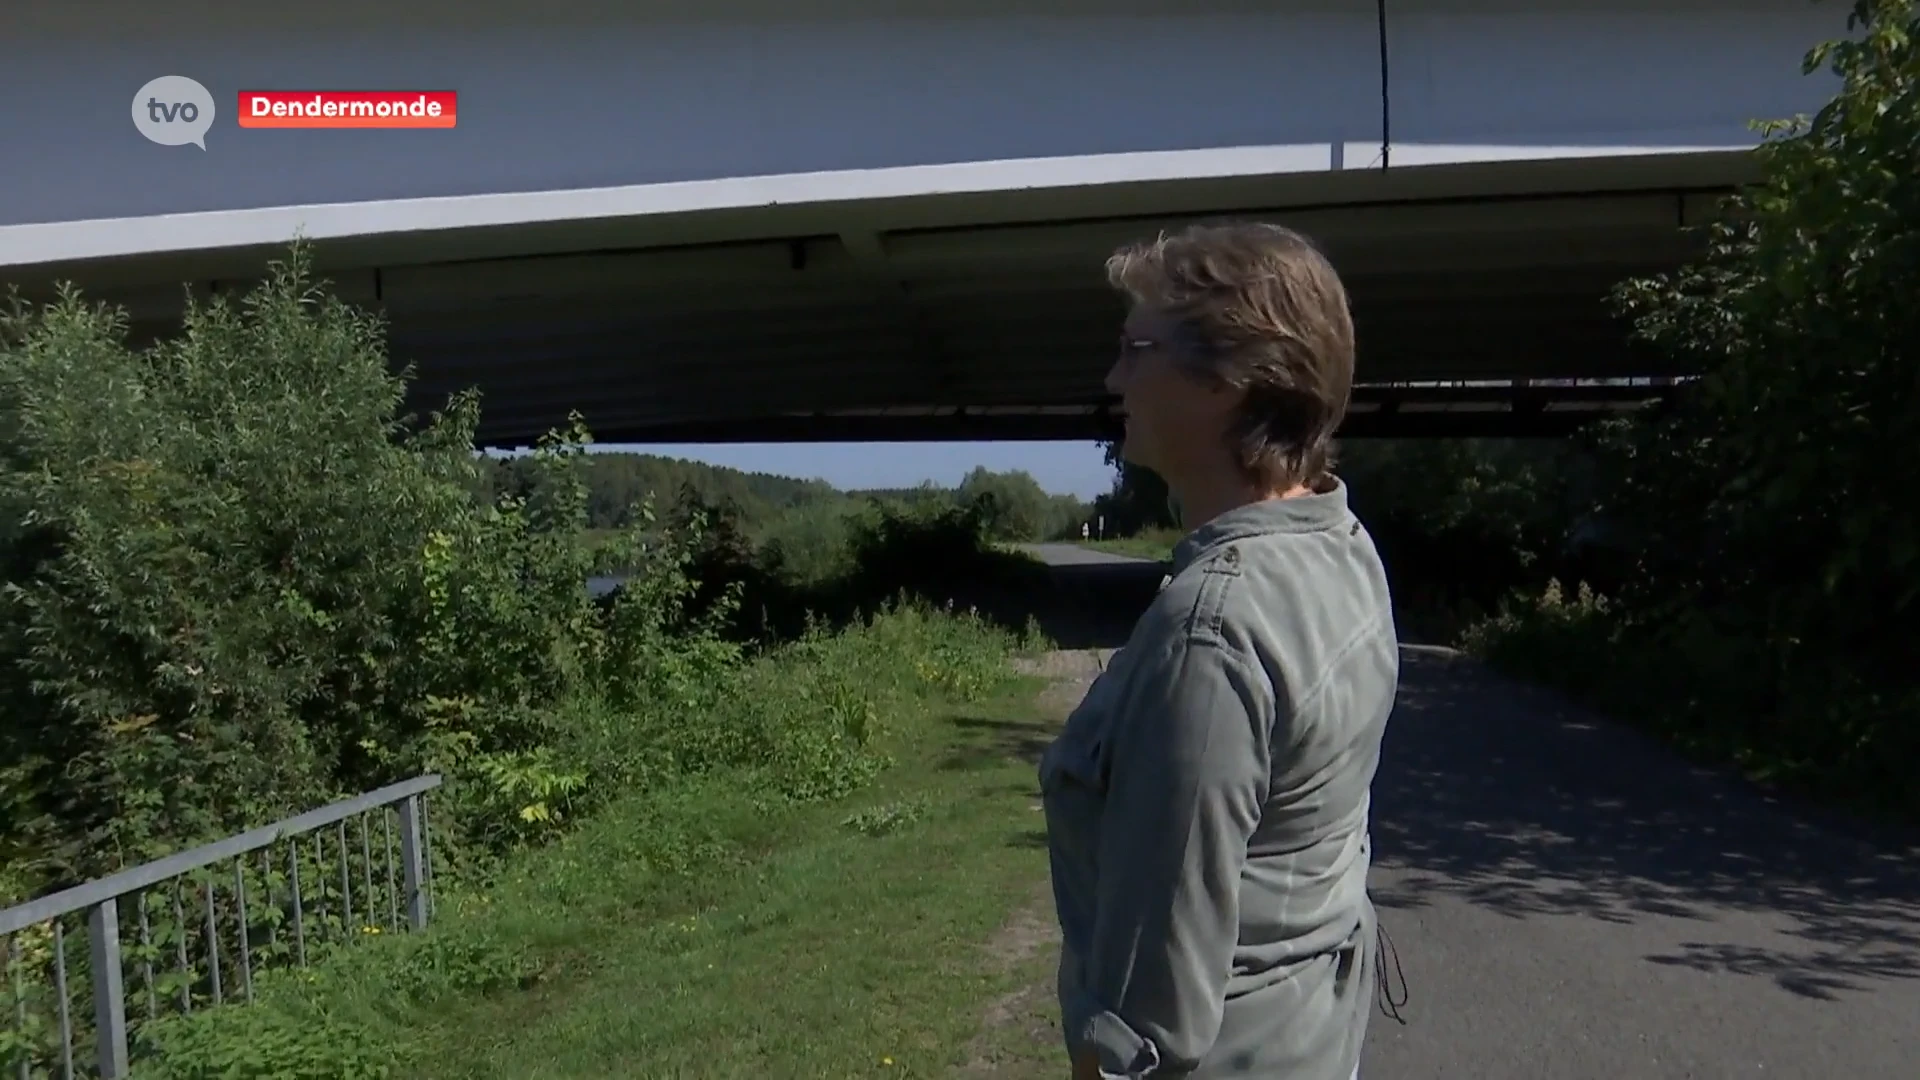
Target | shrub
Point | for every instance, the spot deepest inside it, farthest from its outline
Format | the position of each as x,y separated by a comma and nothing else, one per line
239,584
1550,636
801,723
232,1044
1771,608
211,553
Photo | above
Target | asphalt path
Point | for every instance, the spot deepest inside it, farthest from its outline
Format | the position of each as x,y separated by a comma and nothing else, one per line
1567,899
1073,555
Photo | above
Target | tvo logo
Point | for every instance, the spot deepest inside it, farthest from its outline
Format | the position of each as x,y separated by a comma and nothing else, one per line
173,110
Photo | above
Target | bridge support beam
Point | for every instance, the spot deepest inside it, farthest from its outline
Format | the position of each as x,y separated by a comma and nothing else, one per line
868,250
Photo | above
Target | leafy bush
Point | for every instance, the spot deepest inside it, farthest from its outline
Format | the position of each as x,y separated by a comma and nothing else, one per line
1011,506
209,551
1773,598
1551,636
240,584
825,565
807,545
248,1043
1139,499
237,585
800,723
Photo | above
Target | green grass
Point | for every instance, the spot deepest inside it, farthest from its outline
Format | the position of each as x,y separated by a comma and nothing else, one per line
709,930
801,945
1156,544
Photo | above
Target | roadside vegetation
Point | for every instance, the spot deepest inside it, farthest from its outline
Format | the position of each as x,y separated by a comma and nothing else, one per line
811,911
240,584
1762,603
1156,543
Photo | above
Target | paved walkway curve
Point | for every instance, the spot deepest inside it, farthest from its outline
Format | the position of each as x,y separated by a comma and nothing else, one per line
1571,901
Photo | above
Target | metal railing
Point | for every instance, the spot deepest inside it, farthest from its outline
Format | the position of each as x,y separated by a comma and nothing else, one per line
285,925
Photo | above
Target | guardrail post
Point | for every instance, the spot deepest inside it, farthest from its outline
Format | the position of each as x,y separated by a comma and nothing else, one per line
109,1001
100,900
412,860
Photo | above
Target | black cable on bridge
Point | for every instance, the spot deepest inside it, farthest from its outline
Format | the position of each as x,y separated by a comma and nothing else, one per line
1386,101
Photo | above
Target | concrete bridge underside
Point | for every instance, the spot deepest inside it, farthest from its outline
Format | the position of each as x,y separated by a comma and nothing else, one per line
832,222
987,315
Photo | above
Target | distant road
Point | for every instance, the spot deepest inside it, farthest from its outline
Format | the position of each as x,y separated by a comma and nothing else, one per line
1096,597
1075,555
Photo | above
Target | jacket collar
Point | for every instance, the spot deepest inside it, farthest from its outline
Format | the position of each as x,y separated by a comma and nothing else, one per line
1301,514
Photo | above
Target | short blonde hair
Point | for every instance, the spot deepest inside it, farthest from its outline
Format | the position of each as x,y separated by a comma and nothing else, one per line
1259,309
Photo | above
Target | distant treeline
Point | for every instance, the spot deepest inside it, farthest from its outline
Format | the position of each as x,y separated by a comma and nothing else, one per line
1013,505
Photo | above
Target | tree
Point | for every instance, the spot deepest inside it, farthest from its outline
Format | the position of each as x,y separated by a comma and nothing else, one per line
1775,516
1138,500
239,583
1012,505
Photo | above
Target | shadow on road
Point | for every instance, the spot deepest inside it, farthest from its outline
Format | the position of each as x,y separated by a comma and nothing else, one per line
1094,605
1516,802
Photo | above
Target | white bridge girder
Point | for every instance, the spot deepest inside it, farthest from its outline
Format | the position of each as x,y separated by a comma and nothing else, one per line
705,216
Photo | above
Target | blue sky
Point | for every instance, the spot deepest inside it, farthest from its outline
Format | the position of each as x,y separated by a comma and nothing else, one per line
1064,468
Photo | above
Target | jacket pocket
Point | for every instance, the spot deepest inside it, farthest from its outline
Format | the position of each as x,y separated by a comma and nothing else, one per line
1071,760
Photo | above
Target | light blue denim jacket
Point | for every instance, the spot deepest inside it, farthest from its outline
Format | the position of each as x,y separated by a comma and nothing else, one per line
1207,807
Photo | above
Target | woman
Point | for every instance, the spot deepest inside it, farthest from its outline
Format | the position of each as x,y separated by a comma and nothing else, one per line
1207,802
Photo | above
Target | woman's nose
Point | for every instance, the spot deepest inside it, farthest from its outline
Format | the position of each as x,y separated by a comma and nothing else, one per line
1116,384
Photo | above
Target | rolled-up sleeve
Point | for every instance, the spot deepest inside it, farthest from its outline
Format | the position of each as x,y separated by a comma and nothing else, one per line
1188,773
